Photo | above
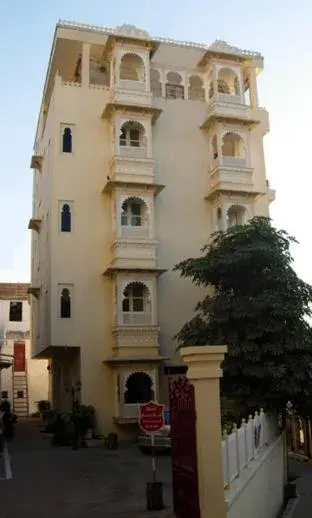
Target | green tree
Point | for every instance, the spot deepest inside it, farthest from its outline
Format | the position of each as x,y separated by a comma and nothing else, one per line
259,308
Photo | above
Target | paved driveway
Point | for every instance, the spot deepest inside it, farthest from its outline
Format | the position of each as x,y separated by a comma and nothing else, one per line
61,483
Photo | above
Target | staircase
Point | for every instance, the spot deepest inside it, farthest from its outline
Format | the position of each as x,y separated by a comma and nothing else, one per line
20,394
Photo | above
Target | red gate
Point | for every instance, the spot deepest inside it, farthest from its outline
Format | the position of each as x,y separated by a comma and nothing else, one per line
183,449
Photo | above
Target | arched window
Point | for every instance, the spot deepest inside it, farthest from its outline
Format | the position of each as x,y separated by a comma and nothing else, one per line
132,68
67,144
219,219
233,145
228,82
196,91
65,303
214,144
174,88
133,213
132,134
66,218
136,298
210,91
156,87
139,389
236,215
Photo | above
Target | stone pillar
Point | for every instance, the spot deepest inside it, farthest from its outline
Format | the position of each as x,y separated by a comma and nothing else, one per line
204,372
85,64
253,88
215,79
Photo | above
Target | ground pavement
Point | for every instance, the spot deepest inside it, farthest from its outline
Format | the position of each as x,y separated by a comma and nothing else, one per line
303,470
88,483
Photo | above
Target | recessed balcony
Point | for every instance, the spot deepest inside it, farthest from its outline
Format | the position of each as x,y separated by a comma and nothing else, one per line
230,173
134,252
132,93
227,105
132,149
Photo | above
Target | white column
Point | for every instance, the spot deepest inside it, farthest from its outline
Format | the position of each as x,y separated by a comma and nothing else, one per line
147,74
85,64
214,79
253,89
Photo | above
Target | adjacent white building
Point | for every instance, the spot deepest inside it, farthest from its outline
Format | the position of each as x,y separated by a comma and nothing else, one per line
24,381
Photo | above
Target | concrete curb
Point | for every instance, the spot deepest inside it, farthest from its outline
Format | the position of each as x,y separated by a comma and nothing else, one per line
290,508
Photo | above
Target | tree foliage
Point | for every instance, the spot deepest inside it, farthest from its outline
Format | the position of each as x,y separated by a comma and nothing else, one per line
259,308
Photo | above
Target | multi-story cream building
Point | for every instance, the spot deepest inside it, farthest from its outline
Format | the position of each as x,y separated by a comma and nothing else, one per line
23,380
144,147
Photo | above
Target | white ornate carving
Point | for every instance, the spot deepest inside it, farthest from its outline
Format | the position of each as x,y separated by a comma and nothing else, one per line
217,45
139,337
131,31
226,48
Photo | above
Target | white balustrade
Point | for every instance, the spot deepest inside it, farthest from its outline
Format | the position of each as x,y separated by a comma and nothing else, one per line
130,411
234,161
229,98
244,444
127,84
134,232
133,151
138,318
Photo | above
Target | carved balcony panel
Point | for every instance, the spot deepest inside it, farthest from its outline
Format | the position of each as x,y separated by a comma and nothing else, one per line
131,93
230,174
227,105
130,252
132,169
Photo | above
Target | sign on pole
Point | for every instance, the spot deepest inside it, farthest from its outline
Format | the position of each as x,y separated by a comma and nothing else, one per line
151,421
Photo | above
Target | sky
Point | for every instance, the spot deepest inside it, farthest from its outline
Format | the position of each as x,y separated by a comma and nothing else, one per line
279,29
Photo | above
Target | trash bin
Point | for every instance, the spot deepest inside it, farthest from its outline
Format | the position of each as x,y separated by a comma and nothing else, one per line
112,441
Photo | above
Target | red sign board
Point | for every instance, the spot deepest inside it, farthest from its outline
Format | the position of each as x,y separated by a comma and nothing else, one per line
151,417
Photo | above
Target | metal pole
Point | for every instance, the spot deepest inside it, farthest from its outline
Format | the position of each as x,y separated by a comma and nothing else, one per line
153,458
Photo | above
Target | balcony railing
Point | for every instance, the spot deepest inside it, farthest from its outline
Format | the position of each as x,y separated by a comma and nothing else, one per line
228,98
140,232
230,161
130,411
131,149
128,84
136,318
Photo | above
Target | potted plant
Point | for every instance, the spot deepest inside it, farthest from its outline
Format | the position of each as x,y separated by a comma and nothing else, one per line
44,408
83,418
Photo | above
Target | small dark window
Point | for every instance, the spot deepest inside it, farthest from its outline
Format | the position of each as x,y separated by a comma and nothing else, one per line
16,311
65,303
66,218
67,140
174,91
20,394
4,394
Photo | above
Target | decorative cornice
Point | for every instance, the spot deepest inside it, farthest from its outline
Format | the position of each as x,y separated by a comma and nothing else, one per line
133,241
112,270
248,193
135,359
111,108
226,119
114,184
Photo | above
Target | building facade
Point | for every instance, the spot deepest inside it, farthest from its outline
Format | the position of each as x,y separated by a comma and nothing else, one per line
23,380
144,147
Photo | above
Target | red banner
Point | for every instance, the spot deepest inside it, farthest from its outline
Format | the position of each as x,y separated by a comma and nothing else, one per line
19,357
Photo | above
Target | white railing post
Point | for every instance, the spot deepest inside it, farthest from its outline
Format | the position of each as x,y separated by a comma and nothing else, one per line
250,422
227,459
263,429
235,430
244,426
